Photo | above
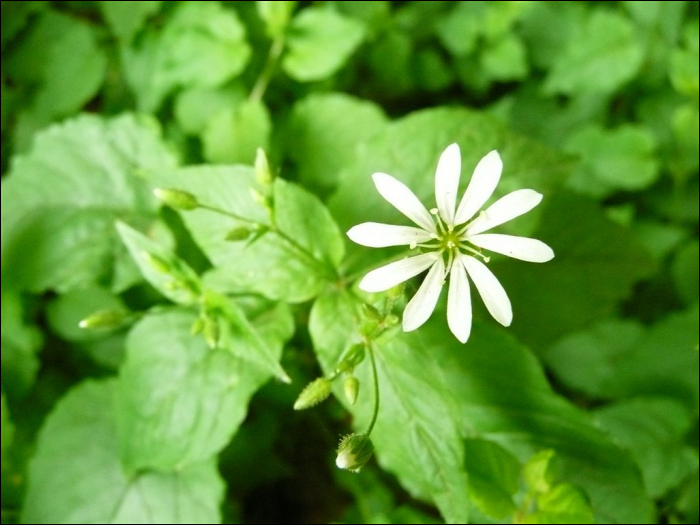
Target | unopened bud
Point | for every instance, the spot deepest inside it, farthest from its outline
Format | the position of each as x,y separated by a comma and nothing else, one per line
370,312
315,392
353,357
178,199
354,452
259,198
391,320
239,234
104,319
351,388
211,332
262,168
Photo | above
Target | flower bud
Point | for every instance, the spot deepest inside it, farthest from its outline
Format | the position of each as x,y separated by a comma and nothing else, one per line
354,452
391,320
178,199
315,392
351,388
211,332
370,312
105,319
239,234
353,357
262,168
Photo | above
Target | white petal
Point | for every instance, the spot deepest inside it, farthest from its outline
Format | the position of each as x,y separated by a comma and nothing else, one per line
491,291
459,303
397,272
522,248
447,182
404,200
504,209
484,181
421,306
376,235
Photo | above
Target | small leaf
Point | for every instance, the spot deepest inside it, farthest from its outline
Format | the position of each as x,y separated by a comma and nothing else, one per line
276,16
563,504
234,135
320,42
126,18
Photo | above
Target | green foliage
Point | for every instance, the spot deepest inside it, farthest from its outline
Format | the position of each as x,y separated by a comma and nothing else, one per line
148,338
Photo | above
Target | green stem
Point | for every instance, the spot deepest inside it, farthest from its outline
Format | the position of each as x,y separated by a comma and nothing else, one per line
375,375
327,270
263,81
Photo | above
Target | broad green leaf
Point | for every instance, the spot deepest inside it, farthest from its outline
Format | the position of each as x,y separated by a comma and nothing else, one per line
432,71
20,344
494,475
166,272
563,504
233,135
621,359
8,429
686,130
195,107
416,437
539,473
503,396
596,265
505,60
459,30
685,272
276,16
687,502
601,57
684,72
320,41
620,159
126,19
201,45
660,239
324,133
654,430
60,200
180,402
76,475
278,267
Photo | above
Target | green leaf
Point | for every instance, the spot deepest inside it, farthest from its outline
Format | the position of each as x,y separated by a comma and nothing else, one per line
621,359
601,57
233,135
684,72
504,396
415,437
620,159
596,265
180,402
20,344
539,472
494,475
76,475
324,133
320,41
60,200
125,19
166,272
563,504
201,45
15,16
459,30
685,272
505,60
279,268
654,430
8,429
195,107
433,73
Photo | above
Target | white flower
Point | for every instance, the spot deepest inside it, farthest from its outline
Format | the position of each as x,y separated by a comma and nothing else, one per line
451,239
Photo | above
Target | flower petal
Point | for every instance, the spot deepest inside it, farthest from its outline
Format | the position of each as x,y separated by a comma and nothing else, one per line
491,291
404,200
523,248
484,181
447,182
377,235
459,303
397,272
504,209
421,306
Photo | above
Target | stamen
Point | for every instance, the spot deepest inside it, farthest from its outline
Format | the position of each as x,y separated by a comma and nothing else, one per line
475,252
413,245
